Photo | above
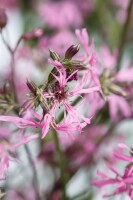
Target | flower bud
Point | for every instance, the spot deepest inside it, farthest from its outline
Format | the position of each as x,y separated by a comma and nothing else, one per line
32,86
54,55
116,89
3,18
33,34
71,51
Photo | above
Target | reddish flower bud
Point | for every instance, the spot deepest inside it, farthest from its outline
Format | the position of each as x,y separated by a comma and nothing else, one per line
33,34
71,51
3,18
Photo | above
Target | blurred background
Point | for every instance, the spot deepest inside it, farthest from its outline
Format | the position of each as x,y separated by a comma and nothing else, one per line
105,21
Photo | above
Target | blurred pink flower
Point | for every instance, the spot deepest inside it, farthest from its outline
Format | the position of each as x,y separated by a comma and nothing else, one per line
60,14
59,42
110,80
86,7
125,75
124,157
106,58
118,105
122,10
9,4
89,58
8,148
124,182
21,193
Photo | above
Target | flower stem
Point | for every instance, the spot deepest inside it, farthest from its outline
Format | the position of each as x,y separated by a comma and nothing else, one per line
124,34
35,180
12,54
61,163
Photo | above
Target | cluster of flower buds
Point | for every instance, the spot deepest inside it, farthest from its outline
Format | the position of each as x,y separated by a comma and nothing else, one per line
68,62
110,85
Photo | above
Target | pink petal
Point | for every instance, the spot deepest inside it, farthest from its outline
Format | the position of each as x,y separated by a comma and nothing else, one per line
123,157
46,125
20,122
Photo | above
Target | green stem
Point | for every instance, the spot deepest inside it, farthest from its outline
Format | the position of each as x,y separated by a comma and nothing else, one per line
124,34
61,163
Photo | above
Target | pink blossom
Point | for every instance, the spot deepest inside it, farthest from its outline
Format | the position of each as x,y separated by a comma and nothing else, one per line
123,182
62,96
8,151
70,127
122,156
116,104
106,58
105,75
125,75
89,59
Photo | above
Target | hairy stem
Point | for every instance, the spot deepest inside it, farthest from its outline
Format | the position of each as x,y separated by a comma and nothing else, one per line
61,163
124,34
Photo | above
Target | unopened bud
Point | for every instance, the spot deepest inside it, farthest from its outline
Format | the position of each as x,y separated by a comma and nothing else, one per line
3,18
117,90
54,55
33,34
71,51
32,86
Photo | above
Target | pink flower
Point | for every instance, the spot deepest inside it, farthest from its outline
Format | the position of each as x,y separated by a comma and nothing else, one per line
90,57
122,156
106,58
62,96
8,151
116,104
111,88
124,183
125,75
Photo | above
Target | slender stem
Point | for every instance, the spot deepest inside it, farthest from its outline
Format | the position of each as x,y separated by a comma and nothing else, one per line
124,34
32,164
12,54
13,76
62,164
